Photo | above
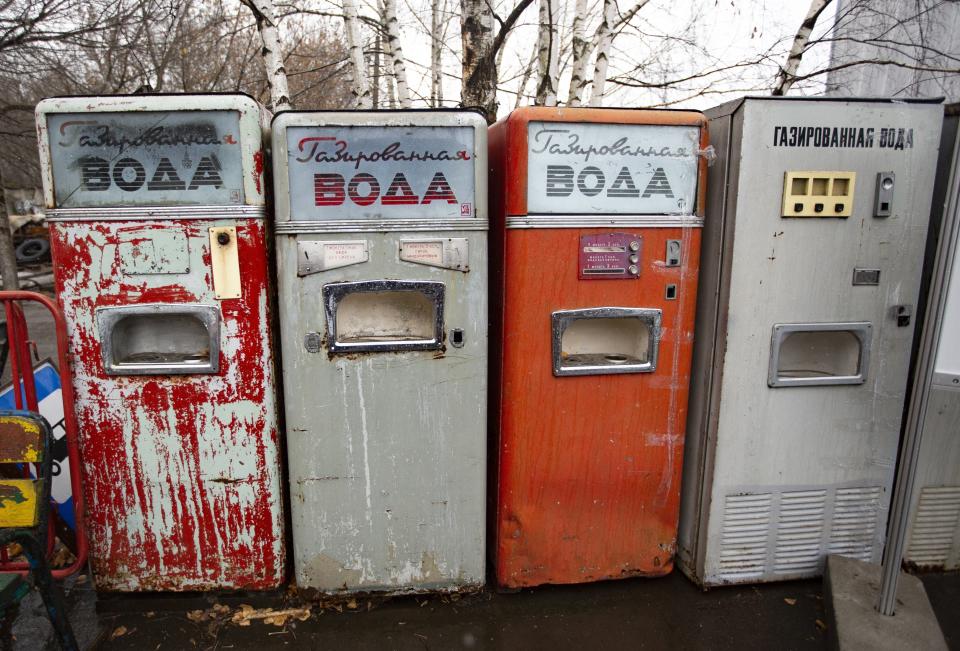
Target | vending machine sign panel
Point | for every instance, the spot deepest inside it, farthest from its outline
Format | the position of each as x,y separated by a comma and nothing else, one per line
611,168
363,172
153,157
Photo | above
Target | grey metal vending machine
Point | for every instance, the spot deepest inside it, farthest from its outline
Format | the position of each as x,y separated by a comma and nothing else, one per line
382,259
810,273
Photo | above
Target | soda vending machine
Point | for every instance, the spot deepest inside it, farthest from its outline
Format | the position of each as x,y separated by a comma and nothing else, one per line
596,243
933,535
809,280
381,241
159,242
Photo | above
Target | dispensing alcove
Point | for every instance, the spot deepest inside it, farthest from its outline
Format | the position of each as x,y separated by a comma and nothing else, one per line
165,339
810,354
605,340
384,315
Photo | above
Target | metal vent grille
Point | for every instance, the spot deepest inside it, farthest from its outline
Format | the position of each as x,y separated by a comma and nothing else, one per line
853,531
777,535
746,526
935,536
799,532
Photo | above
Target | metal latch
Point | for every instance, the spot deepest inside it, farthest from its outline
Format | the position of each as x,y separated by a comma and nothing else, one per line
903,314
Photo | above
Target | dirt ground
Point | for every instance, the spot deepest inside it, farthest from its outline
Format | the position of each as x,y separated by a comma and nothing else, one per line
666,613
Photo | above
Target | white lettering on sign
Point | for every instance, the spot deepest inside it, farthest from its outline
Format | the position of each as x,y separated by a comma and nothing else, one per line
578,168
372,172
146,158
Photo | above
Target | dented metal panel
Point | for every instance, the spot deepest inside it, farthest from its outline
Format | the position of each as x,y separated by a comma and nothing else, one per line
182,472
385,415
783,472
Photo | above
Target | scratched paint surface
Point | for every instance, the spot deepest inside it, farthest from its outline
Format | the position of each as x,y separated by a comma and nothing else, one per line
588,467
181,473
388,450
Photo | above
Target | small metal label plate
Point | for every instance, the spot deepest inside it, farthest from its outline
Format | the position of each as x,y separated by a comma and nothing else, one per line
444,252
866,276
315,256
609,255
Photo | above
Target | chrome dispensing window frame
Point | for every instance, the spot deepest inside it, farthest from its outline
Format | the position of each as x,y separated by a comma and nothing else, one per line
108,318
649,318
335,293
782,331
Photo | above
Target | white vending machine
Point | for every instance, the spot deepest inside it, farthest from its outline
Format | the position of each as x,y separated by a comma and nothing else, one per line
810,273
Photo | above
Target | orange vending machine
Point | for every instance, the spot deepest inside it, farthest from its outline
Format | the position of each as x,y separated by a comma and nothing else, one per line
596,218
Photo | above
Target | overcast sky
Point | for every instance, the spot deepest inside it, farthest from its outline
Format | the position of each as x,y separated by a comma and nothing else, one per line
668,39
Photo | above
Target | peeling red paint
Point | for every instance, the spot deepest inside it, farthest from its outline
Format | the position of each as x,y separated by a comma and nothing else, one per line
258,170
179,528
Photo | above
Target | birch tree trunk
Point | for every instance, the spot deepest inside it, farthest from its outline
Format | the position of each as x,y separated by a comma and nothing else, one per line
479,74
396,52
359,86
391,93
581,55
604,39
436,44
262,11
478,85
548,51
788,72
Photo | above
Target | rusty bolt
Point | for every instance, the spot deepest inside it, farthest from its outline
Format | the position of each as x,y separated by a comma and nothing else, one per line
223,238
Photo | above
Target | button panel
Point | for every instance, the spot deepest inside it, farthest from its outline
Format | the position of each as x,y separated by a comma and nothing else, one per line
609,256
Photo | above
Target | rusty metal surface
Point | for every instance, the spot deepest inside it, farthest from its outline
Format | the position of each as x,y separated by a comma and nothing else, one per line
20,440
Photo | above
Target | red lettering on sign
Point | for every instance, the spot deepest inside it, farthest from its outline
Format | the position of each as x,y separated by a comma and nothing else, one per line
328,189
354,189
399,193
439,190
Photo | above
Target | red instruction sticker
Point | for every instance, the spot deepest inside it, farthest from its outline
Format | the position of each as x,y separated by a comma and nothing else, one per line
609,255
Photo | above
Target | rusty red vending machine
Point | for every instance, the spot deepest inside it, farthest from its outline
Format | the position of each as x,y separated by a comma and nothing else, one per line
159,241
596,217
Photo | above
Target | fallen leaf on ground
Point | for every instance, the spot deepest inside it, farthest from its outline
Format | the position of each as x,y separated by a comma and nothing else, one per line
196,615
352,604
790,602
118,631
221,609
247,614
821,625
